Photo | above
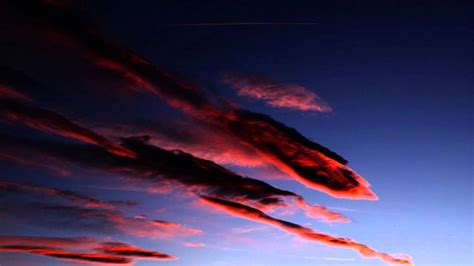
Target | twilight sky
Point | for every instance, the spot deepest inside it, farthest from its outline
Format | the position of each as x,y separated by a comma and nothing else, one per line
236,133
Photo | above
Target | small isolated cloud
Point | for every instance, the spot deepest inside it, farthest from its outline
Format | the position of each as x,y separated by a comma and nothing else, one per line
275,93
194,244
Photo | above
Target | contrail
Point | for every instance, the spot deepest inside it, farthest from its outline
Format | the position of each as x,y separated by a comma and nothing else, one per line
238,24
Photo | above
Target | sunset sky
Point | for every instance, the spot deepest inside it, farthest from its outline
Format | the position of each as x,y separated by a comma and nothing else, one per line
230,133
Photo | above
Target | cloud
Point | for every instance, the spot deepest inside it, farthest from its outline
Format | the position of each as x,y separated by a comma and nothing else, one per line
189,136
249,213
99,252
64,242
68,255
25,161
159,166
99,221
310,163
307,162
156,165
10,78
194,244
248,229
51,122
7,92
86,213
315,166
274,93
71,196
321,212
121,249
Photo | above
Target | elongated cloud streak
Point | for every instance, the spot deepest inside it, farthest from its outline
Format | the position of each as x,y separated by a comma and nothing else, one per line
249,213
309,163
68,255
23,160
86,212
64,242
191,137
121,249
100,221
104,252
194,244
52,122
71,196
157,165
275,94
8,92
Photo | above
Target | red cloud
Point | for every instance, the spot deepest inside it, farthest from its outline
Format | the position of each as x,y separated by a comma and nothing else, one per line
121,249
71,196
139,226
105,252
276,94
61,242
23,160
191,137
309,163
249,213
52,122
199,176
7,92
68,255
89,211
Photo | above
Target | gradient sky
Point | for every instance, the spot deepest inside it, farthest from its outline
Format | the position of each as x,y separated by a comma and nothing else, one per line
397,76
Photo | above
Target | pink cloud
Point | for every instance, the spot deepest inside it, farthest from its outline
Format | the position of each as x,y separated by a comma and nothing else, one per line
194,244
276,94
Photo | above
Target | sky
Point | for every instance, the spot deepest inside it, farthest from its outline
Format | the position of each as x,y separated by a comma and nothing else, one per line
236,133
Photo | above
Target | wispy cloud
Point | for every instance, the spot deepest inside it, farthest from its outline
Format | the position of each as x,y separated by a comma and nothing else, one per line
22,203
71,196
274,93
253,214
51,122
194,244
